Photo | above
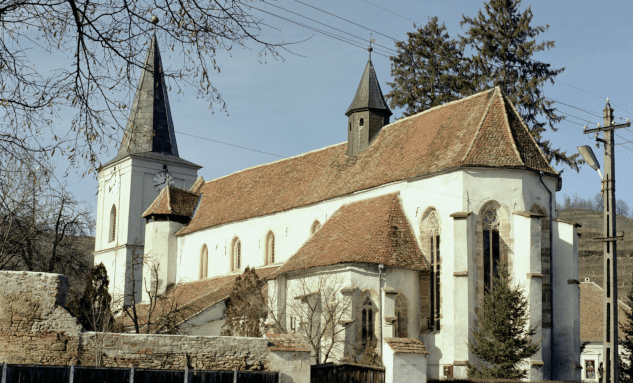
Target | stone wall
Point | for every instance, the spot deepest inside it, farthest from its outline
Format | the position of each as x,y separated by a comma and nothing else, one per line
35,328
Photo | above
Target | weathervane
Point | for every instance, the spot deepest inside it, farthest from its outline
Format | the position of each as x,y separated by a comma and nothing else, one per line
370,48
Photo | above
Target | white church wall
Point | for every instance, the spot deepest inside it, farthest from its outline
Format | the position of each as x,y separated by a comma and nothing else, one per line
406,282
160,255
209,321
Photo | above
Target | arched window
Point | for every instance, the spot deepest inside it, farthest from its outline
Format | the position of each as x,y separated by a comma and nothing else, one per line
204,262
112,232
316,225
490,225
236,255
367,322
402,317
270,248
433,225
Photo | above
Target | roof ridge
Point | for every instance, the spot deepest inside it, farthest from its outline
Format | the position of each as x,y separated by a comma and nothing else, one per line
159,198
512,138
619,299
532,137
481,123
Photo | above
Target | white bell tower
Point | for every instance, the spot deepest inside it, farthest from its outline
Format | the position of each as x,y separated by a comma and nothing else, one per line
146,162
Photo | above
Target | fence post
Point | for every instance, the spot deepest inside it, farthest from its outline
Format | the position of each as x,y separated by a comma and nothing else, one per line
4,373
234,376
187,373
72,373
132,374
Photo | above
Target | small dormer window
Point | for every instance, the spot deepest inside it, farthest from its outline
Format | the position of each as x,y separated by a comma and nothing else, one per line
361,122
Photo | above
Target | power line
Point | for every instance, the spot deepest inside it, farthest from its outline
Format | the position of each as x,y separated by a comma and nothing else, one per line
397,14
571,106
593,94
329,26
329,34
236,146
351,22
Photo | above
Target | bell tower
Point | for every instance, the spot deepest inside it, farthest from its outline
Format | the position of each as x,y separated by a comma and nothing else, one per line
368,112
146,162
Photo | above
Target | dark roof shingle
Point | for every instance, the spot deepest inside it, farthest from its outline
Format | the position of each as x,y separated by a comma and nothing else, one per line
406,346
173,201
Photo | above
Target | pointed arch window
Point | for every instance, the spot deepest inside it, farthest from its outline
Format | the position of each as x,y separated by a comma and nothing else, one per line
204,262
236,255
367,322
436,269
270,248
112,231
402,317
316,225
490,223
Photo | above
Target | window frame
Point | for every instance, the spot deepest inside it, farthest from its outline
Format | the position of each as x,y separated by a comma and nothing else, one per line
112,231
435,259
236,255
592,370
491,245
269,255
204,262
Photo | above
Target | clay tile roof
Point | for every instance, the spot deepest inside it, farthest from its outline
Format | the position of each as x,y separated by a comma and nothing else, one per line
481,130
406,346
195,188
194,297
592,311
173,201
287,342
373,231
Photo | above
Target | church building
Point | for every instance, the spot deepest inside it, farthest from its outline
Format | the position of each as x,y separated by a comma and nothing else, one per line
410,218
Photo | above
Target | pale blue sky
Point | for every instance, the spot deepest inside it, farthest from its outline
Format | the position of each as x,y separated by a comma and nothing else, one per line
297,105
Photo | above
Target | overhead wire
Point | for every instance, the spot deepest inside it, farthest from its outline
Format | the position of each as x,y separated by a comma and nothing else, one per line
385,9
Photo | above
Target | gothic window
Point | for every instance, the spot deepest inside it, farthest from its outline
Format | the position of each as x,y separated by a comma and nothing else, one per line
204,262
490,222
402,317
236,255
367,322
112,232
436,268
316,225
270,248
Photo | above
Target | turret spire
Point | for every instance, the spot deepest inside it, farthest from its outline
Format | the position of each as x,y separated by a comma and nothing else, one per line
150,127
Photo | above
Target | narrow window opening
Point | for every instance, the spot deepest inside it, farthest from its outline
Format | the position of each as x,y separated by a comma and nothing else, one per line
204,262
361,122
112,233
491,247
316,225
608,278
270,248
350,126
236,255
436,270
608,323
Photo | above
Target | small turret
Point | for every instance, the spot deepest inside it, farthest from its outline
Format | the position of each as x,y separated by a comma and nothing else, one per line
368,112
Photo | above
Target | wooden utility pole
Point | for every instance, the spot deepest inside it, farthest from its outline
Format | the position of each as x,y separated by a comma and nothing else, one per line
610,318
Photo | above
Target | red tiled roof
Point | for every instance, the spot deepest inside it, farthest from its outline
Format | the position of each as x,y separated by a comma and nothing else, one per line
173,201
592,311
406,346
287,342
374,230
481,130
195,188
193,297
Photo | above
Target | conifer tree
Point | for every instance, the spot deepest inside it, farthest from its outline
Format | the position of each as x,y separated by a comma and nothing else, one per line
246,309
93,308
427,70
503,43
626,343
503,341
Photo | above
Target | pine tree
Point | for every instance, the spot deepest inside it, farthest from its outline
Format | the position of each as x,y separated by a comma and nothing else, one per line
503,342
246,309
503,44
626,343
427,70
93,308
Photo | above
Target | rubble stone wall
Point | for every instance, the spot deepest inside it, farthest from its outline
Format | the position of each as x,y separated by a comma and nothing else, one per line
35,328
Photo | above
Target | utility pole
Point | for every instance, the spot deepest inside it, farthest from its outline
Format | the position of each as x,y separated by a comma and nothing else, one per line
610,318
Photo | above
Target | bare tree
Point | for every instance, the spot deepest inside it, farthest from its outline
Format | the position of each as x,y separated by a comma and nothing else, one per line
163,311
99,46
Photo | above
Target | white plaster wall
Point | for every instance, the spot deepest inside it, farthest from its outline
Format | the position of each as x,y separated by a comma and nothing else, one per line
161,249
592,351
410,368
406,282
209,321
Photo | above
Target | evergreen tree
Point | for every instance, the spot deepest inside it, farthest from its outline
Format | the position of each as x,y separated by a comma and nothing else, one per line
503,44
504,340
246,309
427,70
626,343
93,308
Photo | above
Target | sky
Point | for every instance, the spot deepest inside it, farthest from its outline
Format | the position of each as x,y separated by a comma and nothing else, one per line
291,106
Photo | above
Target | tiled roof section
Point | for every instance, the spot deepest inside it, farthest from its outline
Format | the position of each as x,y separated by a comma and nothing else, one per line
373,231
368,95
474,131
406,346
287,342
592,311
195,188
173,201
193,297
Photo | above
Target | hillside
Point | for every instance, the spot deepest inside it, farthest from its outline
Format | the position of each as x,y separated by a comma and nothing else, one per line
591,250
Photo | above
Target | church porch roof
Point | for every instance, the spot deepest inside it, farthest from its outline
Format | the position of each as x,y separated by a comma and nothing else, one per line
482,130
173,201
374,231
